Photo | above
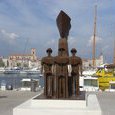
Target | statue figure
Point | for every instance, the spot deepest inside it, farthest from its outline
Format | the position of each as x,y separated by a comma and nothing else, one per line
47,66
76,66
59,81
61,62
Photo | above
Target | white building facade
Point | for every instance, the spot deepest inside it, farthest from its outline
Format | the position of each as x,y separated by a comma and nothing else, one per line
87,63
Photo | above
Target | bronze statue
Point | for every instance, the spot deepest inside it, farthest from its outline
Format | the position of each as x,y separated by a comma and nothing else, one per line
76,66
63,24
61,62
47,67
57,81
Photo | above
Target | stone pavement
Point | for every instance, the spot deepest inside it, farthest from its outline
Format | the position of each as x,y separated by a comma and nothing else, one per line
107,102
11,99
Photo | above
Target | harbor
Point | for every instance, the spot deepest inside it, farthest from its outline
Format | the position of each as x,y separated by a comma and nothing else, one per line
57,57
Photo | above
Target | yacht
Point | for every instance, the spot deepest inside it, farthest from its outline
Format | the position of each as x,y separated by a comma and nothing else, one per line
14,70
89,72
88,83
29,84
2,70
33,71
111,86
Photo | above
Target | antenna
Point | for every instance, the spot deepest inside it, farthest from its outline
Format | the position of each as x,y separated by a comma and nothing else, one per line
94,37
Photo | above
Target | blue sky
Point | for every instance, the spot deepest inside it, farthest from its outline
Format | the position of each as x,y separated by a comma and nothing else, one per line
26,24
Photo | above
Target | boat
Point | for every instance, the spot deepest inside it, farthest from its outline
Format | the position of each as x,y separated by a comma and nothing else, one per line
22,71
105,74
90,72
14,70
40,75
33,71
111,86
89,83
2,69
29,84
3,85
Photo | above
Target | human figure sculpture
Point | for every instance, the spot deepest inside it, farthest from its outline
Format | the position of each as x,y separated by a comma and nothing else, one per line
76,69
59,81
61,62
47,67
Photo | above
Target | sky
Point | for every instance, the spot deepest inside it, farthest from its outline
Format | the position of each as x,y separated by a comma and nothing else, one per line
26,24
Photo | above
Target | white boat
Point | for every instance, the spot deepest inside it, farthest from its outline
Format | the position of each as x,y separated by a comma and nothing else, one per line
33,71
3,85
89,72
29,84
23,72
2,70
111,86
13,70
41,75
89,83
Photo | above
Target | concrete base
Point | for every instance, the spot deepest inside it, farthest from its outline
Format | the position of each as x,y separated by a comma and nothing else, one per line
59,107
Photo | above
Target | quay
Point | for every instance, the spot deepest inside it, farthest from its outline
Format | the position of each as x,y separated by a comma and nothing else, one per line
11,99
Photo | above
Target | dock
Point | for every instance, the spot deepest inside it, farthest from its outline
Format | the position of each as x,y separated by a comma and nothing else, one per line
11,99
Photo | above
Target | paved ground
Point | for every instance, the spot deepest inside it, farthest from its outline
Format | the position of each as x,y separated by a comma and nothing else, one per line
11,99
107,102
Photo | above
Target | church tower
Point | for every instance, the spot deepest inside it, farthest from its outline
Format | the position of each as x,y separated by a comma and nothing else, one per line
33,53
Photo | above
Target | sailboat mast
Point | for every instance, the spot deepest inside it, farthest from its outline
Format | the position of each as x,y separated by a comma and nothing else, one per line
114,53
94,37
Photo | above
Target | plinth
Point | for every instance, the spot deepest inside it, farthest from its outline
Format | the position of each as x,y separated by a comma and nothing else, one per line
35,106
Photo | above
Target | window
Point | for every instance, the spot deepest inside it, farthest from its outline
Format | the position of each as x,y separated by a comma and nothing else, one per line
91,82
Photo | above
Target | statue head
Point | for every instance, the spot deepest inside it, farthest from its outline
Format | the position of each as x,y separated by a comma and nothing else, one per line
73,51
61,51
49,51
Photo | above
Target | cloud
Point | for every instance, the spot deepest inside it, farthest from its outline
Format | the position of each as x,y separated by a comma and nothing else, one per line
72,41
98,40
8,36
37,20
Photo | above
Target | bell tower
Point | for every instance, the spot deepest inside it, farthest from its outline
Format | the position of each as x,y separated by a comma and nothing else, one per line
33,53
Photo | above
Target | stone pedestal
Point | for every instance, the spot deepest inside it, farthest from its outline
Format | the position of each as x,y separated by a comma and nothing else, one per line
90,106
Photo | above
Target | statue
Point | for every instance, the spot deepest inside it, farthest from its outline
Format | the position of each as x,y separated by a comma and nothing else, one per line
47,67
76,68
59,82
63,24
61,62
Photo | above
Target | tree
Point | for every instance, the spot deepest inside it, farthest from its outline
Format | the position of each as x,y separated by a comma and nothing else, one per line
2,64
25,65
19,64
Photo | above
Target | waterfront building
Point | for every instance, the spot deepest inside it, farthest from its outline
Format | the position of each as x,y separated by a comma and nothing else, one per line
3,61
87,63
24,60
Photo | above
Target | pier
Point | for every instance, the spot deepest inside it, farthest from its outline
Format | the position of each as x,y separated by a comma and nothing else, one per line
11,99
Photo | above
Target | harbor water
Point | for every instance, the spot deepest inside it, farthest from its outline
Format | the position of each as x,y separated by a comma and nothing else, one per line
15,79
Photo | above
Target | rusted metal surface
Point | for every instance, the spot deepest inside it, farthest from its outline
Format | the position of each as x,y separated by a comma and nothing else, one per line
57,81
76,65
47,65
63,24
